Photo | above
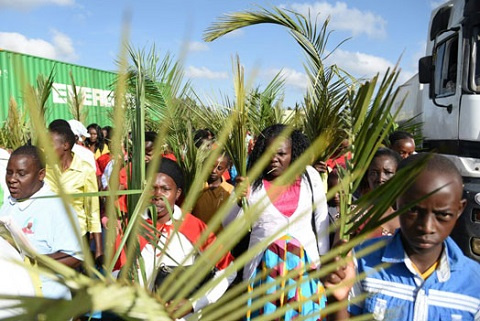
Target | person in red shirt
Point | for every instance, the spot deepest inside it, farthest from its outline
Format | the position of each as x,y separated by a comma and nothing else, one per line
169,248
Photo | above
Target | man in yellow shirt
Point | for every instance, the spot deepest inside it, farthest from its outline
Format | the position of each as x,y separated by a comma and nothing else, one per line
77,176
215,192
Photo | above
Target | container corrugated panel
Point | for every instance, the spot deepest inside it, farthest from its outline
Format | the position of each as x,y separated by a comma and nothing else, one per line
96,86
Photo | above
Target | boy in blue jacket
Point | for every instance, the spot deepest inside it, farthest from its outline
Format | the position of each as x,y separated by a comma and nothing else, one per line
428,276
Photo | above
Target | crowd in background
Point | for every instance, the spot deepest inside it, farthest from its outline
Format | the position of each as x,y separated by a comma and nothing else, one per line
297,240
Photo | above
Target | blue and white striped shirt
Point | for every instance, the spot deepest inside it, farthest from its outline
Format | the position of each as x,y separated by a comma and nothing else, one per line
398,292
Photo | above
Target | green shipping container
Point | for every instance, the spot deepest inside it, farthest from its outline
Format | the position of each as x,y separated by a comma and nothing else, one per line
95,85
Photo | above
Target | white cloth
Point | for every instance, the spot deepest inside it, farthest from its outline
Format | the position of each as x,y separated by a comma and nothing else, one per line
85,154
107,173
14,279
45,223
78,129
179,248
299,225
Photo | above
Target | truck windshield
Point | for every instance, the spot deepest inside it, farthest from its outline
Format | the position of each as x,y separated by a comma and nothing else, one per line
475,64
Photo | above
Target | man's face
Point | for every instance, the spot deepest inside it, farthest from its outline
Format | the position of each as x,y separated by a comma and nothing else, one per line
24,178
220,166
59,144
427,225
164,187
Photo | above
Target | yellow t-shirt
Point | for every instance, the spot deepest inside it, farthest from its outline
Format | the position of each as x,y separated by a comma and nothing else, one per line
80,177
99,152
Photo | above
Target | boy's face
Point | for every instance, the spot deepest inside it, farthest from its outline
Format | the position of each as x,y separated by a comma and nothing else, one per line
164,187
332,181
148,151
219,168
429,223
405,147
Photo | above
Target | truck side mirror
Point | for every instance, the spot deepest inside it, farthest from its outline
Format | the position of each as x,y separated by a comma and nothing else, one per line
425,70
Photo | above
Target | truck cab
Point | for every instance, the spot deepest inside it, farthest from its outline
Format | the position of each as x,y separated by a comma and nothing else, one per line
445,95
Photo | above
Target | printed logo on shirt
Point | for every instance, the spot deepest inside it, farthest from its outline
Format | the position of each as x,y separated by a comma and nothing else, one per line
457,317
379,309
28,226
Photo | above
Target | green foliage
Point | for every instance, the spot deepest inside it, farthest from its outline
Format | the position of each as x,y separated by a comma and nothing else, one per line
75,103
329,86
152,91
14,132
265,106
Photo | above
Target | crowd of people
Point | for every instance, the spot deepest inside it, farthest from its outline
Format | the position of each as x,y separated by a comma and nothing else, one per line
425,275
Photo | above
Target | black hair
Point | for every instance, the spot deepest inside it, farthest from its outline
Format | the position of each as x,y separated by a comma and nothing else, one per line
333,175
150,136
224,154
58,123
66,133
209,132
436,163
109,130
100,143
399,135
31,151
200,136
172,169
393,155
298,141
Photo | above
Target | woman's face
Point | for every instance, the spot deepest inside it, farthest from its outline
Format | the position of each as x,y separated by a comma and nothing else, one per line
93,135
381,170
104,131
280,160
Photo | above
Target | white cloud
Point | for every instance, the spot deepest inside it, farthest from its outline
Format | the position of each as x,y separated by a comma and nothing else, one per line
293,78
204,72
29,4
64,46
366,66
359,64
197,46
344,18
60,48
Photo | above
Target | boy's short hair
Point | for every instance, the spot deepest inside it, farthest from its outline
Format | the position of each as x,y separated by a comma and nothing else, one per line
399,135
58,123
436,163
31,151
222,153
150,136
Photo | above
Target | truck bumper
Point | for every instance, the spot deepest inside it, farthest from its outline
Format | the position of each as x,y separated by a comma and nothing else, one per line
467,230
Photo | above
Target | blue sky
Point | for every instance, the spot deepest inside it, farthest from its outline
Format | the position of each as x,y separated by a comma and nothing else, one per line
89,32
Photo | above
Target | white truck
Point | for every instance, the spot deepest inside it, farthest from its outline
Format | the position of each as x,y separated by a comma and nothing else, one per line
446,95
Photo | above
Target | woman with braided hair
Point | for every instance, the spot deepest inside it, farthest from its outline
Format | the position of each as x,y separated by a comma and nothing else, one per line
299,210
